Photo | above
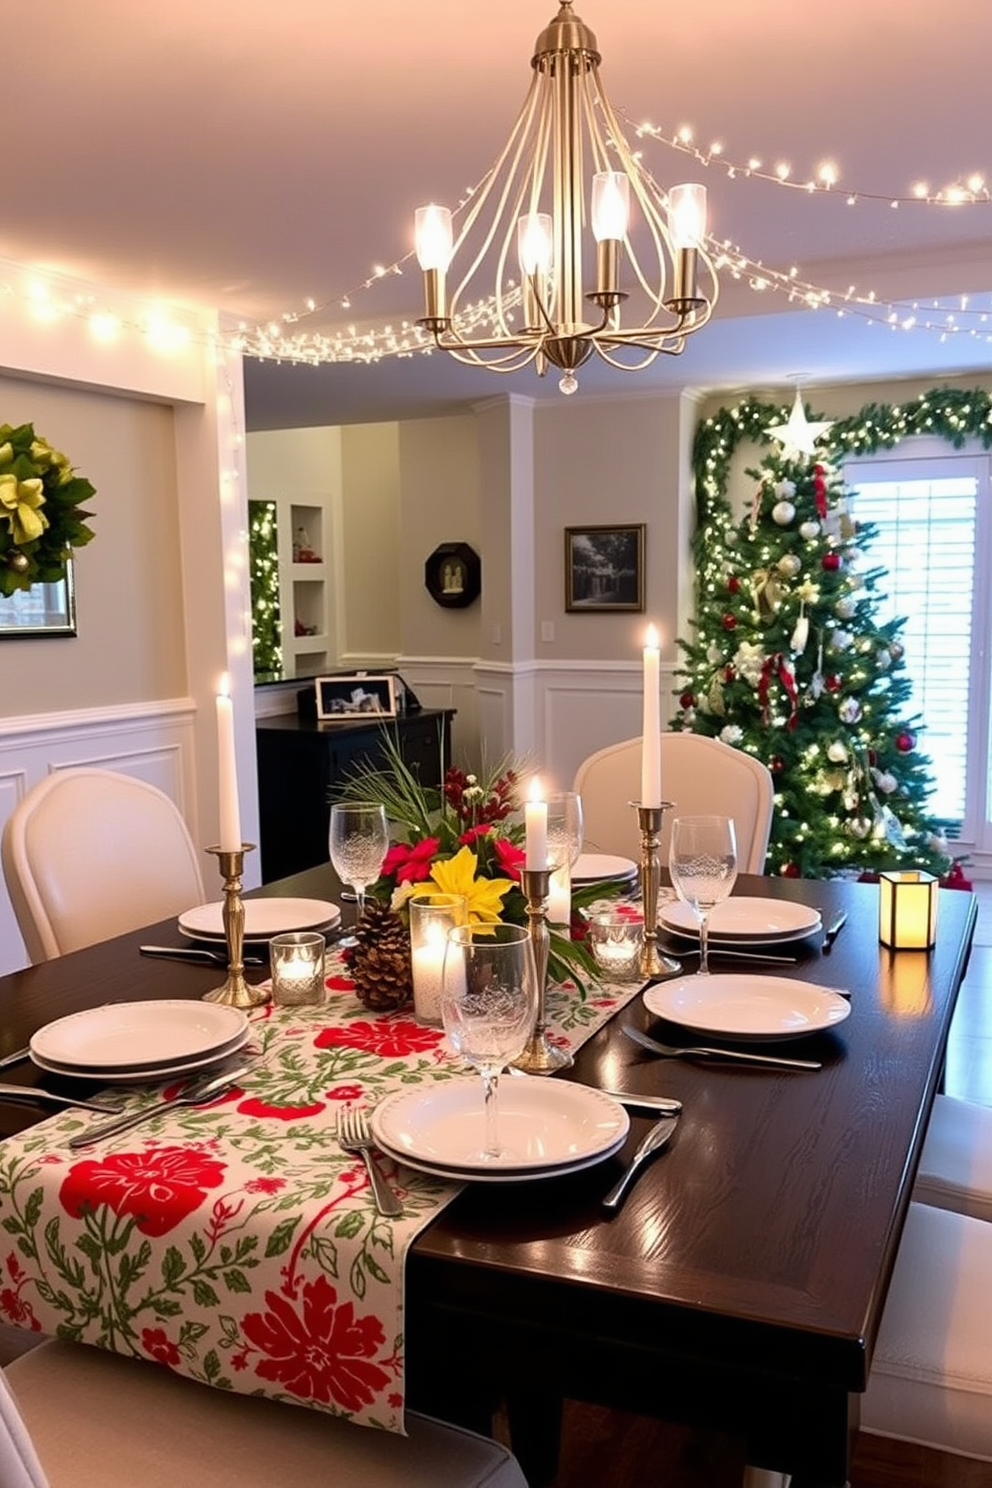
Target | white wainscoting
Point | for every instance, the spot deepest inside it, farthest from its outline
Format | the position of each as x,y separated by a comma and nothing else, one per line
152,741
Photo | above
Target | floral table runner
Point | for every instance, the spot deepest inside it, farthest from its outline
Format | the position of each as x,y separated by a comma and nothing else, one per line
236,1243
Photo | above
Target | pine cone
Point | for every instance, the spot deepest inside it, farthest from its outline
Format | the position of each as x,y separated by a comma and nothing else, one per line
380,961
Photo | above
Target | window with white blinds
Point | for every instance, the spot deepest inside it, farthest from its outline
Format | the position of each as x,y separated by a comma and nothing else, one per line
931,515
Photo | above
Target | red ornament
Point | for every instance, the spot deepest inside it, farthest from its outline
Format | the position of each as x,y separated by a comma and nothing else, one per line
687,700
776,763
831,562
789,870
730,622
872,757
733,584
905,742
832,683
729,674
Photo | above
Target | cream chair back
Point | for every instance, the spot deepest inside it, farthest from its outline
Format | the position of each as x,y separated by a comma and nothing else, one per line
700,776
89,854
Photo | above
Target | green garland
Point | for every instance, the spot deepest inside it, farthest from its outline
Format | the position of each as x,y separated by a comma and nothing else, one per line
41,520
954,414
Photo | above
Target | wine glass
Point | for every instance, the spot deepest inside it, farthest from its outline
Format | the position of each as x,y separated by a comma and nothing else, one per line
564,846
702,860
358,841
489,1007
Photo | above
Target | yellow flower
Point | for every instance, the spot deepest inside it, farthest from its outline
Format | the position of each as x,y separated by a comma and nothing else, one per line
484,896
22,500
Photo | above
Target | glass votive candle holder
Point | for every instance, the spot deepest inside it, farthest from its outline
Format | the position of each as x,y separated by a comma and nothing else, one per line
432,915
615,939
296,960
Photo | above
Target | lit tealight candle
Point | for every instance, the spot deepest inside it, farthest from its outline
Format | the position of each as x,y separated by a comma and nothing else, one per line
536,829
651,729
230,813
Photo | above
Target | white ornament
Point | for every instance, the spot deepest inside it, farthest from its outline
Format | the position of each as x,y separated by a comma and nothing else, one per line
841,640
788,565
885,782
859,827
783,512
714,655
849,710
785,488
845,607
800,636
749,659
730,538
797,435
731,734
883,659
809,530
837,752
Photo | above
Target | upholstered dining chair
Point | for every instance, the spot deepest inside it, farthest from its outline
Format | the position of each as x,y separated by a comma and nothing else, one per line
72,1416
89,854
701,776
931,1375
955,1170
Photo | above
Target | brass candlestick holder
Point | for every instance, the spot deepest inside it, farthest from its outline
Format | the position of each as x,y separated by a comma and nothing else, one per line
540,1057
653,961
235,992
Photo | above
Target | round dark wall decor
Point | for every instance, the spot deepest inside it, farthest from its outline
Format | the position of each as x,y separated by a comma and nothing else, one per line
453,575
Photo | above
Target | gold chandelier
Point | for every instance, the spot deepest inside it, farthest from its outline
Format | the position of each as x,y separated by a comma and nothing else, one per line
566,131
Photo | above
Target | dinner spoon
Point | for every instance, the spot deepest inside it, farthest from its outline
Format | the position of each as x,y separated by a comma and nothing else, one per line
700,1051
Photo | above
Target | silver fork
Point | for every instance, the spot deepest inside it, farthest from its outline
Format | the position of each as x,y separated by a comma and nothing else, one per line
353,1135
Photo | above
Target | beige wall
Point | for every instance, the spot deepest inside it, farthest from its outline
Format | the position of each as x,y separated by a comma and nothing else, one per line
131,641
369,567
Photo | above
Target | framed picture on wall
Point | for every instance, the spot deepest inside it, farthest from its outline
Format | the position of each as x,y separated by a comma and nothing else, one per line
453,575
604,568
355,697
42,610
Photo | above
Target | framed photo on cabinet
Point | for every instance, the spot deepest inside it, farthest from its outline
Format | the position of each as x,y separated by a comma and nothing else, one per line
604,568
357,696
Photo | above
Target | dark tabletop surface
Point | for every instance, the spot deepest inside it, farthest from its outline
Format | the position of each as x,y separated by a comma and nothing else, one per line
742,1282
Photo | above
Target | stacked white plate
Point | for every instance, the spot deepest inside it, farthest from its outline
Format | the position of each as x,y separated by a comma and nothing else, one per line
745,922
603,868
263,918
747,1008
546,1128
140,1041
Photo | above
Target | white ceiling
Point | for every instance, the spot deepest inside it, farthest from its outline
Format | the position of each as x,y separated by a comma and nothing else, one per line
250,156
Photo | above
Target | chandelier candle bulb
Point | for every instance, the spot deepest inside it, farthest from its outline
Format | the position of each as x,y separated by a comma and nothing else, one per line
536,830
230,814
651,730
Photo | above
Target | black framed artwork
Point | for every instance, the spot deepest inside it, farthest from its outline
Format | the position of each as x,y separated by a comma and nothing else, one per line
453,575
604,568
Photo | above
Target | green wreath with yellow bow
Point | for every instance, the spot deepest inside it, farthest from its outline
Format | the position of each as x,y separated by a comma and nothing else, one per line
41,516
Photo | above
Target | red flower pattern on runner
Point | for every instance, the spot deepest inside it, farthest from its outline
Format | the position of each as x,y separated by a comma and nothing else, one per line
159,1346
264,1185
346,1093
339,984
159,1187
253,1106
390,1039
325,1353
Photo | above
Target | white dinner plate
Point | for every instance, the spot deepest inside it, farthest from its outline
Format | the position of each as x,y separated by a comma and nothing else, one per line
543,1125
123,1035
747,1007
144,1074
602,868
742,918
510,1175
263,918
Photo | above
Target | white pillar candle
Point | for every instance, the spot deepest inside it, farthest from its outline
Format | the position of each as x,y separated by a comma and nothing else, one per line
536,830
651,730
230,814
427,965
560,897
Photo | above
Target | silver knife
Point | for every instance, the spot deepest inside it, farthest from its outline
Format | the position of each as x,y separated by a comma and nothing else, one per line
15,1057
665,1105
193,1095
653,1142
832,931
33,1093
196,953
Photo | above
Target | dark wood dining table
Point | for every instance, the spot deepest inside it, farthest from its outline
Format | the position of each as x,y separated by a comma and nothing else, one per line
741,1286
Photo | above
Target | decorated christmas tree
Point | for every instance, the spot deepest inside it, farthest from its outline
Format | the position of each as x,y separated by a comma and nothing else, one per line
790,661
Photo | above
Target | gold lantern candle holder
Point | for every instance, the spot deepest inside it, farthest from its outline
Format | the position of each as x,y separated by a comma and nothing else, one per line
907,910
654,963
235,992
540,1057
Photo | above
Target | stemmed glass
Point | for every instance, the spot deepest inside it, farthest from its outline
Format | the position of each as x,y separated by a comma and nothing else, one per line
358,842
488,1007
702,860
564,846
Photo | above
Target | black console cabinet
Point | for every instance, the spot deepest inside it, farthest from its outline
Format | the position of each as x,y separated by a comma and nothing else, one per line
301,764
